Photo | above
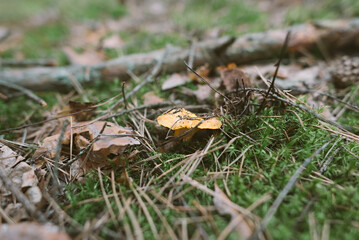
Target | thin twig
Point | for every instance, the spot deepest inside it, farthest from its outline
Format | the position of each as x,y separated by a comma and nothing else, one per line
57,158
124,96
330,159
284,47
25,91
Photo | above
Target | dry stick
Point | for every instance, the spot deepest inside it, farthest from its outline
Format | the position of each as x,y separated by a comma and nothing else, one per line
285,45
146,212
29,207
272,210
25,91
149,79
124,96
57,157
192,53
330,159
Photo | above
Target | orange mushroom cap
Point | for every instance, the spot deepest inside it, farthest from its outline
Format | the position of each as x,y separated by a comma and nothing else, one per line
181,118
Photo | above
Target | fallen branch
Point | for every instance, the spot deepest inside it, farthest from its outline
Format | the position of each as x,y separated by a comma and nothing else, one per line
25,91
330,35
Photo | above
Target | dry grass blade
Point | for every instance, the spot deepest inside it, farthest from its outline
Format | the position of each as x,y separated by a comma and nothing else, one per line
4,215
205,189
110,210
146,212
170,231
239,222
135,224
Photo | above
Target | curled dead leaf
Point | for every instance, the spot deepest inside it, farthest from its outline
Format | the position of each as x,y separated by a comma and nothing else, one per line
233,77
113,140
175,80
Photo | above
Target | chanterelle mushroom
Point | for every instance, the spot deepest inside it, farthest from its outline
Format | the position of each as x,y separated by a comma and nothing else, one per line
181,120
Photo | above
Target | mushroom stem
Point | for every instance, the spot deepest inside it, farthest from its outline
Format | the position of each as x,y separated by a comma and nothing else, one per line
188,136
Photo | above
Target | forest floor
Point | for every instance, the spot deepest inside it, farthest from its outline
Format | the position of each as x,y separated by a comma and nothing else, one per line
283,164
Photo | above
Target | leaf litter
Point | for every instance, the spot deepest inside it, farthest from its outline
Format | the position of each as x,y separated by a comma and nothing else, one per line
105,146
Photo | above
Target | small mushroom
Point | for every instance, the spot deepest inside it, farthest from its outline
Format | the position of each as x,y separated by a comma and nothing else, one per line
181,120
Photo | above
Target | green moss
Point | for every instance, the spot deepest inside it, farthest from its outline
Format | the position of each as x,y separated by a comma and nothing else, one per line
43,42
322,10
144,41
19,10
93,10
233,16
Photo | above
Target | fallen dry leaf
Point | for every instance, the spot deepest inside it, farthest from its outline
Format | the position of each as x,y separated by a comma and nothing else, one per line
289,76
47,147
88,58
87,35
175,80
84,110
202,93
203,71
114,140
113,42
232,77
16,211
4,32
151,98
21,174
31,231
